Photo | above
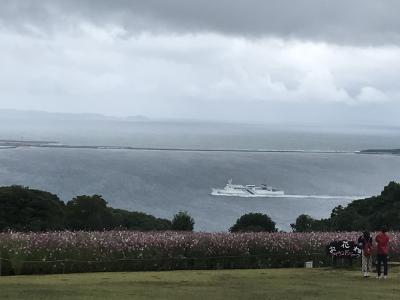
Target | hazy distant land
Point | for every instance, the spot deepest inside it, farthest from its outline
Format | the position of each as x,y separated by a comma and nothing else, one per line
7,144
381,151
54,144
31,115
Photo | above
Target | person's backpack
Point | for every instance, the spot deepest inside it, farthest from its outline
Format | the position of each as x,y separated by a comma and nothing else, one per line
367,250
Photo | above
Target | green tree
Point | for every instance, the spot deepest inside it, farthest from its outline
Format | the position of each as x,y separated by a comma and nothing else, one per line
25,209
138,221
182,221
89,213
304,223
255,222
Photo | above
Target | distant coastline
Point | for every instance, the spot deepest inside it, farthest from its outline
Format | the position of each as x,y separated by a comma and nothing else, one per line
54,144
381,151
11,144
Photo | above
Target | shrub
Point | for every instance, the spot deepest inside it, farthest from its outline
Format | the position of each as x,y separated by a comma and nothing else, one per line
182,221
138,221
254,222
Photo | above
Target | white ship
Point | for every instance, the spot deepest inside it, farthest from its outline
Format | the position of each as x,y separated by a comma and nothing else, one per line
249,190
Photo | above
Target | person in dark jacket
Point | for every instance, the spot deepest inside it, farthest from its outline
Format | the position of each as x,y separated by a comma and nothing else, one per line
382,240
365,244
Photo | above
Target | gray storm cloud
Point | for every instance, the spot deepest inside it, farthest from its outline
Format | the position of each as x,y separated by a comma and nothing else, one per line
235,60
342,21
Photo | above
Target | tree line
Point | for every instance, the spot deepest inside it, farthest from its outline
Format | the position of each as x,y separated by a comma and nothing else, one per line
25,209
365,214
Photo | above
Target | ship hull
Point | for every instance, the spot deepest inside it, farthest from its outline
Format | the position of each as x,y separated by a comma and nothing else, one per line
246,194
248,191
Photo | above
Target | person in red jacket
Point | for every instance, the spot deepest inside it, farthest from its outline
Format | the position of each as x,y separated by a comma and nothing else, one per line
382,241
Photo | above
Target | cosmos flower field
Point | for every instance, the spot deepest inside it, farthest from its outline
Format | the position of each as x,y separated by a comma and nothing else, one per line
59,252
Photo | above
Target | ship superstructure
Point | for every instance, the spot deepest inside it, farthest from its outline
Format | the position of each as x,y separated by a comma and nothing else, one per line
249,190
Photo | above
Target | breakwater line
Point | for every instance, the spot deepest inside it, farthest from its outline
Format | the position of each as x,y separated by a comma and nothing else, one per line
7,144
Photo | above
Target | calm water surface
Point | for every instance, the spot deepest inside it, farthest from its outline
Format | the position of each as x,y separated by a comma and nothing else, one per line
163,182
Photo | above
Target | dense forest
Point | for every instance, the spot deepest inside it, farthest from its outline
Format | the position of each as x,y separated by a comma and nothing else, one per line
365,214
25,209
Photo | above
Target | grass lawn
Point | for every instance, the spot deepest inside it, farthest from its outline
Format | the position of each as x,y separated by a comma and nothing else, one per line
204,285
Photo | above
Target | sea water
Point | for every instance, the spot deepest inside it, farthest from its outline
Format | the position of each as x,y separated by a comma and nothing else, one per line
164,182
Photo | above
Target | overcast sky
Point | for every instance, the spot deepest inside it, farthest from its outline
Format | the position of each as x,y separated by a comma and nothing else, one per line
242,60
